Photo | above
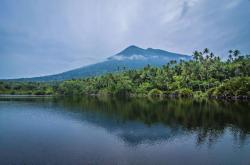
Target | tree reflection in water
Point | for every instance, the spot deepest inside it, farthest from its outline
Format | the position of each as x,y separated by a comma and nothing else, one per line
209,119
138,121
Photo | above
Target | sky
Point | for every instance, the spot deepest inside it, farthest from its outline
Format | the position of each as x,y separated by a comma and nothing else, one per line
45,37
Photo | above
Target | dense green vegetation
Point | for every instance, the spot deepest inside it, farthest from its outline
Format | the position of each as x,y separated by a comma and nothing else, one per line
27,88
205,75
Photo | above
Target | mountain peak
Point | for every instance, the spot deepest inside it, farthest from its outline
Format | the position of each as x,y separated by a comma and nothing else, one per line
136,53
131,50
132,47
132,57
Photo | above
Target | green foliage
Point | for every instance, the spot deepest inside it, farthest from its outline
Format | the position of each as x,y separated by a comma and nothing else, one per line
104,92
199,94
27,88
238,86
155,93
205,75
143,88
185,92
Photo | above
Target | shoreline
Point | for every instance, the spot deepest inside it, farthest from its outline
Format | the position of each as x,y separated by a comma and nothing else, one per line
9,95
245,98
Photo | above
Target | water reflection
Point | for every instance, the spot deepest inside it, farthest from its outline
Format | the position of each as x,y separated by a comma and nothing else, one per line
139,121
208,119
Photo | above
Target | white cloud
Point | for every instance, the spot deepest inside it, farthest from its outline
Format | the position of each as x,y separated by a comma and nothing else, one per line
132,57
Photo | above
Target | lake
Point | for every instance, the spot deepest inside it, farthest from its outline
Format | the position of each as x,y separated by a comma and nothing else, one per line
88,130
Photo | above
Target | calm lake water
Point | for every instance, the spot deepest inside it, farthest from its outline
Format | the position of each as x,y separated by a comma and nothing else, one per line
113,131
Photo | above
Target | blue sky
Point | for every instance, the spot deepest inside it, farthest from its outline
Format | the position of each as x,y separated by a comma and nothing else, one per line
50,36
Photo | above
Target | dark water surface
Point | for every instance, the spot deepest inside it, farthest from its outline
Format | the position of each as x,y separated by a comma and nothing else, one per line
112,131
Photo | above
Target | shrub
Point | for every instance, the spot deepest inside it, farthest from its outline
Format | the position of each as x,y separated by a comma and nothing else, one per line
104,92
155,93
143,88
199,94
239,86
185,92
39,93
211,92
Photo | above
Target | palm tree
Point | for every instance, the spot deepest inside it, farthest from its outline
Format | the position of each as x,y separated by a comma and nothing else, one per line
196,55
200,57
236,53
230,57
172,62
211,55
206,51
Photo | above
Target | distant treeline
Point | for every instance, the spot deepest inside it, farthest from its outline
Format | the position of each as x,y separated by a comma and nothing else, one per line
204,76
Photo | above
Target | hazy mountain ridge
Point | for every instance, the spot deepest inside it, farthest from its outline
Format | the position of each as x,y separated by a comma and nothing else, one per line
132,57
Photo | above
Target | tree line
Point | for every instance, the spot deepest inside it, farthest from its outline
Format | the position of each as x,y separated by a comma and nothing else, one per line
206,75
